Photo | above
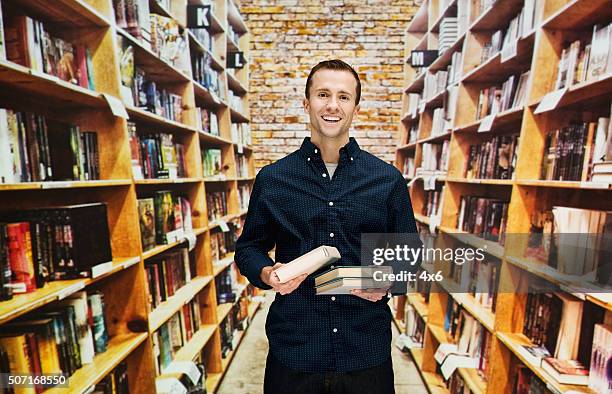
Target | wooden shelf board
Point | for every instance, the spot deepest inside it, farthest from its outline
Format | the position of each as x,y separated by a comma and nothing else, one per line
140,115
496,16
436,101
162,248
583,95
417,356
564,184
448,11
434,382
203,95
409,146
435,138
64,184
192,348
235,19
119,347
498,182
173,304
213,140
475,383
223,310
421,218
494,71
222,264
166,181
482,314
580,14
418,24
595,294
445,59
71,13
56,92
235,85
55,290
490,247
416,86
232,46
157,8
438,333
513,342
156,68
238,117
508,117
420,306
212,381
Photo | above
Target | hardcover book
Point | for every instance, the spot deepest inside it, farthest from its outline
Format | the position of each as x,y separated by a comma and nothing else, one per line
308,263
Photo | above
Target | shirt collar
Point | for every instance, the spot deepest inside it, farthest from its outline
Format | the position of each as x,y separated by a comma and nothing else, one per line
350,150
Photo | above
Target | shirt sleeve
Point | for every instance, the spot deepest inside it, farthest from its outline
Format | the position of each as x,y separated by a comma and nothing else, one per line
256,239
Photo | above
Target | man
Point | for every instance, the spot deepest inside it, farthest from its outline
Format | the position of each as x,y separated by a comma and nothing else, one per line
328,192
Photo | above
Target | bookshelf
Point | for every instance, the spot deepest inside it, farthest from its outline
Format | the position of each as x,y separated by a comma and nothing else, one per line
131,321
537,49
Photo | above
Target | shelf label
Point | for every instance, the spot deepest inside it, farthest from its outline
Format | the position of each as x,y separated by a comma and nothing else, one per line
116,106
550,101
235,59
509,51
224,226
198,16
486,123
101,269
56,185
188,368
70,290
423,58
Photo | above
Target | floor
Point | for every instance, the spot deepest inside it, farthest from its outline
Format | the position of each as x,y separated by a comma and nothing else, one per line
246,371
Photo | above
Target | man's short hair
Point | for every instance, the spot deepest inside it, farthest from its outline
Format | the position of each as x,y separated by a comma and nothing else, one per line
338,65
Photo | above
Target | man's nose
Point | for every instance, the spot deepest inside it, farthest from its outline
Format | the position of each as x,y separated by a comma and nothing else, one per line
333,103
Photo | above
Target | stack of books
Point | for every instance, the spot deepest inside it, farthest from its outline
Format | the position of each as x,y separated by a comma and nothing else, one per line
448,33
344,279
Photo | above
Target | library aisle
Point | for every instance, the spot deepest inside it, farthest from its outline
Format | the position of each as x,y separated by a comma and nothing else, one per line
246,373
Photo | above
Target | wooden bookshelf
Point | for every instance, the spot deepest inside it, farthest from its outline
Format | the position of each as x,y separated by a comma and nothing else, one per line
131,322
537,50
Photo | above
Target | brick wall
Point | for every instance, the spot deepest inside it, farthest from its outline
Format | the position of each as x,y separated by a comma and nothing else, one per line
288,37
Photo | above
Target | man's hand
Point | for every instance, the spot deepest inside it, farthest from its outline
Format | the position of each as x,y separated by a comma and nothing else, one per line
370,294
269,277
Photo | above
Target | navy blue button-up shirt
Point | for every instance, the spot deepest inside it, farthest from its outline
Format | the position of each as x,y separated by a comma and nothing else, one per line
296,207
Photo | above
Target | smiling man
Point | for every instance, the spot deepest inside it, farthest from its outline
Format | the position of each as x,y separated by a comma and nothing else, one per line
328,192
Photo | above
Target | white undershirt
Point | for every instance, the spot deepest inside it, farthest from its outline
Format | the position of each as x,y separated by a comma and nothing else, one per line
331,168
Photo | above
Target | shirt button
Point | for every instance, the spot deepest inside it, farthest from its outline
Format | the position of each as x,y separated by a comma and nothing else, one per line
324,175
333,298
331,235
309,159
335,330
316,151
351,159
331,203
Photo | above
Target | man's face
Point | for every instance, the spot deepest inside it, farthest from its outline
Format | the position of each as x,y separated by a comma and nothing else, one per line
331,102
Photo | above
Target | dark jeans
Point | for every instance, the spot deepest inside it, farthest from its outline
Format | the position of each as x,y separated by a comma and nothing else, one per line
282,380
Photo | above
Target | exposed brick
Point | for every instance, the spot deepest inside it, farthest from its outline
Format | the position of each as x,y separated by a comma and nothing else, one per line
288,37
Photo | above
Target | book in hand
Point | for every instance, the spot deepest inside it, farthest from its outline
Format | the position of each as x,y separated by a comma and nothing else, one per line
351,272
346,285
566,371
308,263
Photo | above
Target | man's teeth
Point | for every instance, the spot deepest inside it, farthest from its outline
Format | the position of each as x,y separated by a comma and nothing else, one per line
331,119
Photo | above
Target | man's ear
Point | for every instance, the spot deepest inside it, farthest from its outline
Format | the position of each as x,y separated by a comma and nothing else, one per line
306,105
357,108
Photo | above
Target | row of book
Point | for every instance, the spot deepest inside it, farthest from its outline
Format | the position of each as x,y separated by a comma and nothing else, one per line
449,32
409,168
582,251
492,159
207,121
138,90
212,165
435,158
443,117
59,339
175,333
414,325
505,40
241,135
34,148
242,166
226,284
156,156
236,320
511,94
56,243
434,84
191,377
235,101
478,278
28,42
580,63
203,36
168,273
164,219
563,348
224,242
484,217
244,196
206,75
432,205
216,202
116,382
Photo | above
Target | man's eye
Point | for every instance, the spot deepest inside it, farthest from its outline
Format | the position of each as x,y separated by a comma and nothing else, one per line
322,95
344,98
